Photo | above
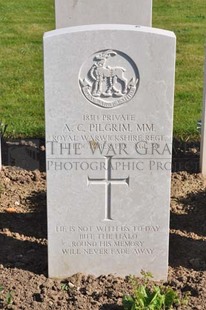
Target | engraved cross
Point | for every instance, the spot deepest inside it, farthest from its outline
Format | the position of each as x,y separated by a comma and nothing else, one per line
108,182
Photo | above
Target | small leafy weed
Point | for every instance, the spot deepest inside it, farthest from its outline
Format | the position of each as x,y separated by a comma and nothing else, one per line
9,298
150,296
6,297
64,287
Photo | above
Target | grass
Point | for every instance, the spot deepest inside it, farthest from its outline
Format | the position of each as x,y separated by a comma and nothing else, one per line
188,20
22,25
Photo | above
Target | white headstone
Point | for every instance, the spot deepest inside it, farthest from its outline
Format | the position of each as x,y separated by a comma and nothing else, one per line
109,104
203,130
83,12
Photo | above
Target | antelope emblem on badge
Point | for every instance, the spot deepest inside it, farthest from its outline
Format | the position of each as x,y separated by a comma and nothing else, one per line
109,78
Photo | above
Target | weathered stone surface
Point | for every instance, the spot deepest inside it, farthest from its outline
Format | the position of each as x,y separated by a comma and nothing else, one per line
83,12
109,104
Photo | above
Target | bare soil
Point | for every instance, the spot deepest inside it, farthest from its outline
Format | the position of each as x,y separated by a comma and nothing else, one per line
23,249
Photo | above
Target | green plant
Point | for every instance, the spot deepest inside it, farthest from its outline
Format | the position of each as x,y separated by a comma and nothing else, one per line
64,287
67,286
8,298
150,296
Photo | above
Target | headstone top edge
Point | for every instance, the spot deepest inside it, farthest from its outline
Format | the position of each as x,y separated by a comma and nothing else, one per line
99,27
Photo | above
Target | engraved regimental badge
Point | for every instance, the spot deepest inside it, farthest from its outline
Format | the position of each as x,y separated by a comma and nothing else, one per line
109,78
